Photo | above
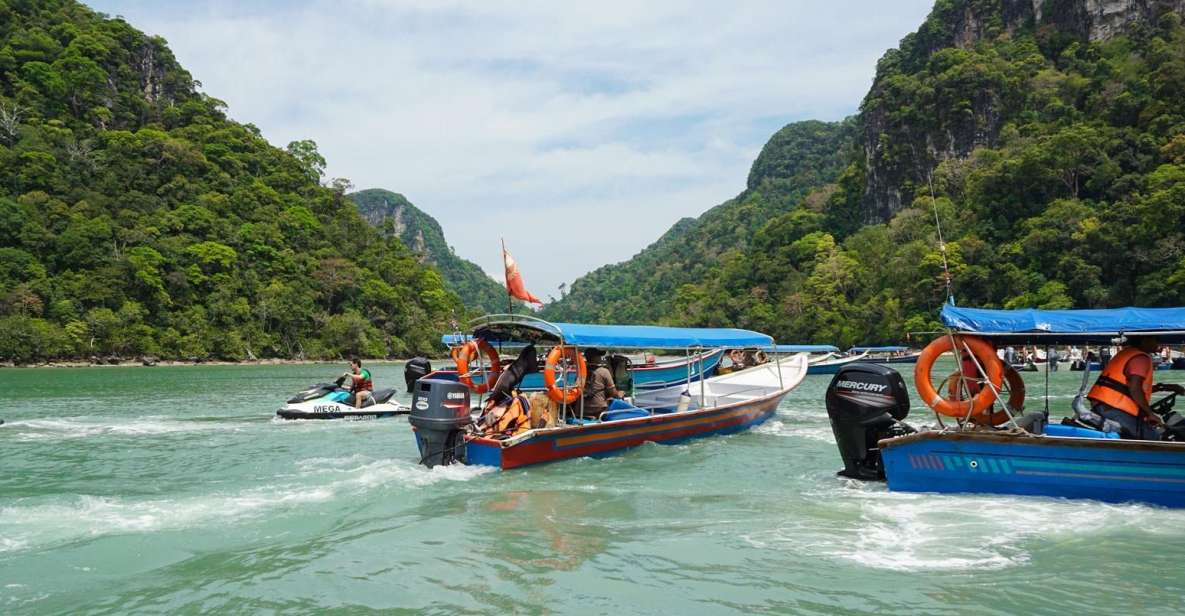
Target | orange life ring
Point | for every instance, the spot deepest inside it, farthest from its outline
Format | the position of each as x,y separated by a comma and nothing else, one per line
556,392
983,352
468,352
1016,394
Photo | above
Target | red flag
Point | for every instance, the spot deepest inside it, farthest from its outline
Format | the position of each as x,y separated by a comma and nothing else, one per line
514,280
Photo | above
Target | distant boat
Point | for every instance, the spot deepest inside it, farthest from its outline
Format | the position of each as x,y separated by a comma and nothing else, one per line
831,366
888,354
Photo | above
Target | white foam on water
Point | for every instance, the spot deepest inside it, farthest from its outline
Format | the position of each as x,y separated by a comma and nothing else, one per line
332,464
32,526
929,532
812,431
84,427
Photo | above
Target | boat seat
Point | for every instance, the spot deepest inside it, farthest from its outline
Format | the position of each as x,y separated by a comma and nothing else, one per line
381,396
1075,431
620,409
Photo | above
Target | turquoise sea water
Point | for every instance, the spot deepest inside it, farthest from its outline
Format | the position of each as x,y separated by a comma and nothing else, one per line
171,489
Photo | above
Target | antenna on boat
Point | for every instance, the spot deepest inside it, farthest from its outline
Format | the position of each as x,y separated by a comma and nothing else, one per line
950,296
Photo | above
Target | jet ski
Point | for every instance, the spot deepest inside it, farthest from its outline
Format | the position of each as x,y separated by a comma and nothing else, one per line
332,401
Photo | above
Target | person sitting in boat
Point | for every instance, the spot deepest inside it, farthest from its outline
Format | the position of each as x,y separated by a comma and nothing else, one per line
360,382
1123,391
736,359
599,387
516,414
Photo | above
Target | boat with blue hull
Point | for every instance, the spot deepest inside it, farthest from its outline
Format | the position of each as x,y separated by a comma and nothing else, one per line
1105,469
656,375
446,432
1016,453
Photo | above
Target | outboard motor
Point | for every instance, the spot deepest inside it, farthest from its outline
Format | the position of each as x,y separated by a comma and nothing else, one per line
415,370
866,403
439,414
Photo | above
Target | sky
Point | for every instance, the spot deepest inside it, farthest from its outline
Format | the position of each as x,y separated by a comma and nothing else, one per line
579,132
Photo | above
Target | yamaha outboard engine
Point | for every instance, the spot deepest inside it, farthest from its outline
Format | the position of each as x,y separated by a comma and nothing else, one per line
415,370
439,414
866,403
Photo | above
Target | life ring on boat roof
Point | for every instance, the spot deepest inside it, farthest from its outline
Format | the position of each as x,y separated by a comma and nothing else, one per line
558,393
983,352
1016,395
472,350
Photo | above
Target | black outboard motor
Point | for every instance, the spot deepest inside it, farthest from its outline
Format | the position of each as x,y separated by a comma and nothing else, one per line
415,370
866,403
439,414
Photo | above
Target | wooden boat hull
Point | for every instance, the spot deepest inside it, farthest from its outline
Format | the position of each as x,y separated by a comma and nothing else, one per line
609,438
986,463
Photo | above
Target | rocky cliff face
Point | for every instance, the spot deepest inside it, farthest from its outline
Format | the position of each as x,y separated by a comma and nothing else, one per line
894,175
395,216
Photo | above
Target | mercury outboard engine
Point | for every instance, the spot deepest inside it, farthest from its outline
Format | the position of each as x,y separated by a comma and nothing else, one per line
866,403
439,414
415,370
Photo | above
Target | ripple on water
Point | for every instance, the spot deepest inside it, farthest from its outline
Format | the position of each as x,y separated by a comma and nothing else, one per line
40,525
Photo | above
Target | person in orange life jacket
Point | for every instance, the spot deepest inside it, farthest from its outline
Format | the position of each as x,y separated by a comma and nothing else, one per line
360,382
1123,391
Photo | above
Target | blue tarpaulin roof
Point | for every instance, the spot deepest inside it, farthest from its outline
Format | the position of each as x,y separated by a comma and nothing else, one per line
879,349
1069,325
525,329
806,348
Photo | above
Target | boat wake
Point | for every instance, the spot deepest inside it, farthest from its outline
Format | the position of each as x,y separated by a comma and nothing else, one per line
82,518
896,531
86,427
790,428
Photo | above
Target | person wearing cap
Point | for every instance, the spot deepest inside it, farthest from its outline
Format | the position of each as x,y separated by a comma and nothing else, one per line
599,387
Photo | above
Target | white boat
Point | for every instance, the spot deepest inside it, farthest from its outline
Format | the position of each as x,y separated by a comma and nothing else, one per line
741,386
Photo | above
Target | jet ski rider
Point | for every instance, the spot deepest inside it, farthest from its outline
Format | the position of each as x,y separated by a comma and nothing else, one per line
1123,391
360,382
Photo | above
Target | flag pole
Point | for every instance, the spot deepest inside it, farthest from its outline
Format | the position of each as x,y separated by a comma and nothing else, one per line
509,298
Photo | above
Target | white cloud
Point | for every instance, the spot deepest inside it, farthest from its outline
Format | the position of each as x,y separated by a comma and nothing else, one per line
591,126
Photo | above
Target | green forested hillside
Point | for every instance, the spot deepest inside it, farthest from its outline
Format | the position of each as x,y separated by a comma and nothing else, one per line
798,158
136,218
1055,146
395,216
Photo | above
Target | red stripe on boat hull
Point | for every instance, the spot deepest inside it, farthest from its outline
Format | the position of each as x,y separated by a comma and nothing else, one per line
602,439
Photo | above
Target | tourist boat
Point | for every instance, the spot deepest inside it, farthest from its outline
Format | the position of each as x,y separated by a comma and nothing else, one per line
442,423
887,354
1024,454
643,375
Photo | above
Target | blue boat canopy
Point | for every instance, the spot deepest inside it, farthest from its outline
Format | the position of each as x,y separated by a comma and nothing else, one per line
520,328
879,349
806,348
1055,326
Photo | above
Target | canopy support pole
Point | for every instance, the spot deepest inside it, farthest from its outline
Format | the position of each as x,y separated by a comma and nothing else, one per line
702,402
778,366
